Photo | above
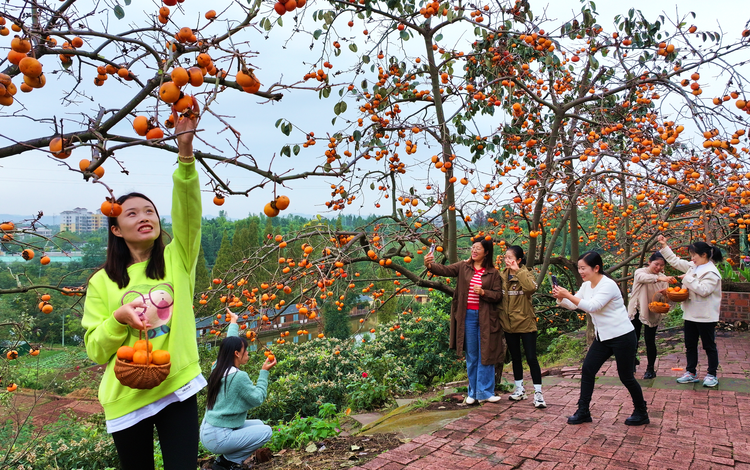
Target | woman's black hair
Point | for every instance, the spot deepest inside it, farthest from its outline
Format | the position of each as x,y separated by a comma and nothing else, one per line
593,259
657,256
119,256
518,253
704,249
224,362
489,252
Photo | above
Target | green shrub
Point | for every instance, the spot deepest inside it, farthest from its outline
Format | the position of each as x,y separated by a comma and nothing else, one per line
64,445
300,431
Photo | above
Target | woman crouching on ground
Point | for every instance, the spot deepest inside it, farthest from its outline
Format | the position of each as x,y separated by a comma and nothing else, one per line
231,393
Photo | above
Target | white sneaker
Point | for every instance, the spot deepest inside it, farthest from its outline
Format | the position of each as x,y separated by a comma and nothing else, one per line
539,400
519,394
469,401
493,399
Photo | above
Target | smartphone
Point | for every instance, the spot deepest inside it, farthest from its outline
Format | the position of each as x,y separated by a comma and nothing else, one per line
432,249
554,280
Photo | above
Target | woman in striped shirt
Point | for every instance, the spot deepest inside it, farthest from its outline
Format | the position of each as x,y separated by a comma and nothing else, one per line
475,325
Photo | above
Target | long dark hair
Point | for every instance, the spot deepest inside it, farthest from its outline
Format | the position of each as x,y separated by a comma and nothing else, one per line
224,362
489,252
119,256
704,249
518,253
593,259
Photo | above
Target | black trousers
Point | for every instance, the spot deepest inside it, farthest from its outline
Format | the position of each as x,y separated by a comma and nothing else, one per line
649,336
529,347
707,334
623,348
177,425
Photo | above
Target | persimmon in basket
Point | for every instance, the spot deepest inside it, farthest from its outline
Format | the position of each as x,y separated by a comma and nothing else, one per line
677,290
139,355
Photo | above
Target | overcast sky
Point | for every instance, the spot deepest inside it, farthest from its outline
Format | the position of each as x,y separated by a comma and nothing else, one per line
35,182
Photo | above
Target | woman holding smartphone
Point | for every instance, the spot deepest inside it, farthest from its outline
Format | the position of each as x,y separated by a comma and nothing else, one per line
601,298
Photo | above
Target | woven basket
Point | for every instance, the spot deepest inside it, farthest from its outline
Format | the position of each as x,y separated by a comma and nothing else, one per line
141,376
677,297
657,306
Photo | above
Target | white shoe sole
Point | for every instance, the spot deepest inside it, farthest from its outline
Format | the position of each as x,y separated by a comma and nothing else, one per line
517,398
492,399
540,405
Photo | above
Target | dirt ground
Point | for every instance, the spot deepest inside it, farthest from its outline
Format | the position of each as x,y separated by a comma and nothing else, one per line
335,453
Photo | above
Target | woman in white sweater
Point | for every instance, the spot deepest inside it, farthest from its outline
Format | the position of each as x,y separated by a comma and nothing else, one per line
701,310
601,298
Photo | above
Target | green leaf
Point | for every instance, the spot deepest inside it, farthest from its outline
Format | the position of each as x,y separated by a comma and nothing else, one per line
404,35
340,107
278,122
127,2
119,12
317,33
357,135
295,149
285,151
333,121
364,84
352,47
439,37
365,59
372,186
326,92
286,129
279,22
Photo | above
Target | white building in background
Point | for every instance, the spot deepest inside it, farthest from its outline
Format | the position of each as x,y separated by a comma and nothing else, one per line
80,220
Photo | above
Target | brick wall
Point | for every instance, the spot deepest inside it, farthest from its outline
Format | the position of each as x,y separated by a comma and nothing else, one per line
735,306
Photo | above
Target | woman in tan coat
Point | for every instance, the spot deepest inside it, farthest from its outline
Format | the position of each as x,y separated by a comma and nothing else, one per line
647,281
475,326
518,319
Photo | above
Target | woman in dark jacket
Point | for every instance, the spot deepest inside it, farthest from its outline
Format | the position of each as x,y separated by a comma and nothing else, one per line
475,326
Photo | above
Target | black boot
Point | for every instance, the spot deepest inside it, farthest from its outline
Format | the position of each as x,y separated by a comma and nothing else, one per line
650,374
639,417
582,415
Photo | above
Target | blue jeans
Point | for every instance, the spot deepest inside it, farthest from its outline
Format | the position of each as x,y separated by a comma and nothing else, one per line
235,444
481,378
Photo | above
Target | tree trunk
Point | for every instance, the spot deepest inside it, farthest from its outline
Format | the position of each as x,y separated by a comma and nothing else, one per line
450,241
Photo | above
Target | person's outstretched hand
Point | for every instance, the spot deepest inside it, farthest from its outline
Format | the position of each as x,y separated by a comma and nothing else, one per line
232,316
185,125
662,241
269,364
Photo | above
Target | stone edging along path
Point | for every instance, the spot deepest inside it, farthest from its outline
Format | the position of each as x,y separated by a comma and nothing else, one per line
691,427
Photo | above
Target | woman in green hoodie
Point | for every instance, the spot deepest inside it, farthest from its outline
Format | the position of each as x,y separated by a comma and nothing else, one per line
147,288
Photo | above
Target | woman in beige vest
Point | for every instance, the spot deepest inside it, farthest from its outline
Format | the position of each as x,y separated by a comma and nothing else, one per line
647,281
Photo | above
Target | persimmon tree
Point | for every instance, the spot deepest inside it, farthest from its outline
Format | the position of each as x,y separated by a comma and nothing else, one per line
447,113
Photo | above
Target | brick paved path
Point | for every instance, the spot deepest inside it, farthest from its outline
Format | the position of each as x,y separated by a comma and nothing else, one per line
691,428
